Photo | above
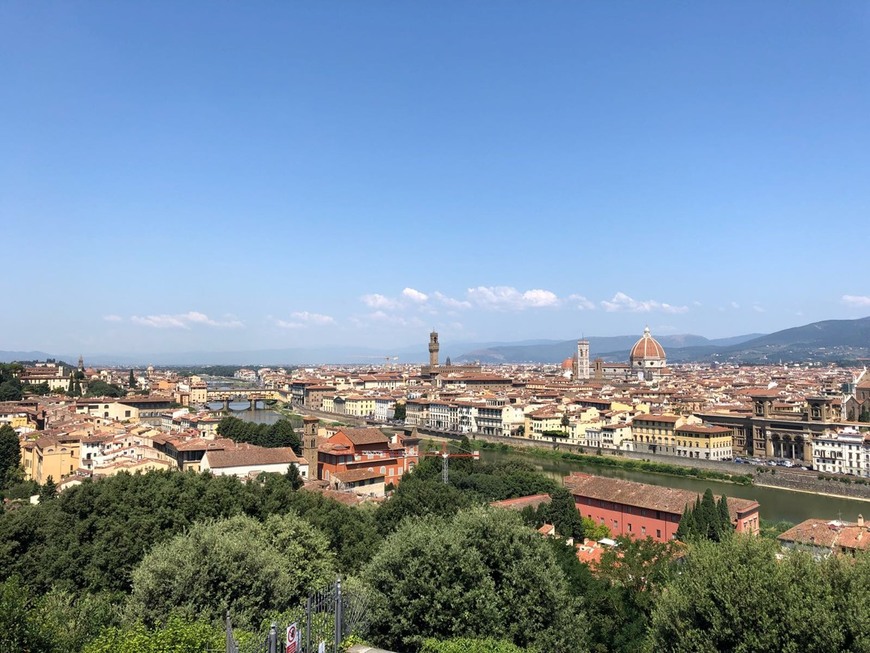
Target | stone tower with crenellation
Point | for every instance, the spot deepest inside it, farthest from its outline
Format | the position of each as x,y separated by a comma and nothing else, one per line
433,349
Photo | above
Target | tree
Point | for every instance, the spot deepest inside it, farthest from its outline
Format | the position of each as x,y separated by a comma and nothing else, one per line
279,434
479,574
726,528
240,564
177,635
615,622
400,412
470,645
69,621
736,596
40,389
9,391
707,519
19,630
131,382
48,491
10,455
294,477
641,565
97,388
417,496
561,511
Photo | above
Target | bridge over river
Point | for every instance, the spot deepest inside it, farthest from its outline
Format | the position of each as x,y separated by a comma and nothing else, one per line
250,396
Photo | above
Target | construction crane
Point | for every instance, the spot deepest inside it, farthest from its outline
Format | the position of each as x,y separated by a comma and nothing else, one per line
446,456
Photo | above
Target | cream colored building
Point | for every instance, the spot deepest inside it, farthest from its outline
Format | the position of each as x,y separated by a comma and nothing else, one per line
704,442
56,455
113,411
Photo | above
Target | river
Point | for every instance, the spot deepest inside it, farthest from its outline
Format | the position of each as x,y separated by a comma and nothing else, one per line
776,504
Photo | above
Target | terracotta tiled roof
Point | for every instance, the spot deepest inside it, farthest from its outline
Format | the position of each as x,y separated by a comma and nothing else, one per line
251,456
828,534
356,475
519,503
647,348
642,495
365,436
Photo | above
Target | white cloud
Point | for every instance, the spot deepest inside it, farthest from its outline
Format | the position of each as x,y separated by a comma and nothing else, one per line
415,295
304,318
735,305
450,302
313,318
622,302
376,300
581,302
857,301
184,321
503,298
113,318
758,308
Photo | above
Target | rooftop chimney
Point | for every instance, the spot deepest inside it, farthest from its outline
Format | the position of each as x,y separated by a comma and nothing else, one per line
861,521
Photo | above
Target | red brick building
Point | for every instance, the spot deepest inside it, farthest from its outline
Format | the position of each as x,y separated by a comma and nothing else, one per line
641,510
365,454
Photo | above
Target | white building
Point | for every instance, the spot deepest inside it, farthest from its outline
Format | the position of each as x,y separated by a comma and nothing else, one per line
846,451
250,461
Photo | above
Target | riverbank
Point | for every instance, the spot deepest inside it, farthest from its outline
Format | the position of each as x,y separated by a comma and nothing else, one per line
648,466
813,492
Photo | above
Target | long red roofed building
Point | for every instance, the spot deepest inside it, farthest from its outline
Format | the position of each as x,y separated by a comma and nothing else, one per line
642,510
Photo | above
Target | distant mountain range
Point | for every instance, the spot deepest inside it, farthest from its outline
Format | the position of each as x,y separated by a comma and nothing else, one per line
610,348
828,341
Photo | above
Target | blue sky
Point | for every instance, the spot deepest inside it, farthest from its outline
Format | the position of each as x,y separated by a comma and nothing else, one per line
223,175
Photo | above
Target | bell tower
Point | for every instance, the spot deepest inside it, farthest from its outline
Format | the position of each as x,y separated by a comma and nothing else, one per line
309,446
433,349
582,370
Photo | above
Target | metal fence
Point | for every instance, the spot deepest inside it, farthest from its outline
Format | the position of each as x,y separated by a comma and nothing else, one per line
331,614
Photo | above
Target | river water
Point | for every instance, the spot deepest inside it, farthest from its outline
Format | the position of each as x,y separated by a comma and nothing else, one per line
776,504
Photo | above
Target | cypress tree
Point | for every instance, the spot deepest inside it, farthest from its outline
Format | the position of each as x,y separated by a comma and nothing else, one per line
725,525
685,530
709,522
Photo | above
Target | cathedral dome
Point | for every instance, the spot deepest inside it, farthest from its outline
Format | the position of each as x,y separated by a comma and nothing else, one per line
568,363
647,348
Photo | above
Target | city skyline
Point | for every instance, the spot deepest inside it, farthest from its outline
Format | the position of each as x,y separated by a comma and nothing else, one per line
183,178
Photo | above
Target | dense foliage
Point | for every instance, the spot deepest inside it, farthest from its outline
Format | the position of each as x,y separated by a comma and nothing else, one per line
92,536
707,519
239,564
149,562
10,456
737,596
481,573
177,635
470,645
10,386
97,388
279,434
